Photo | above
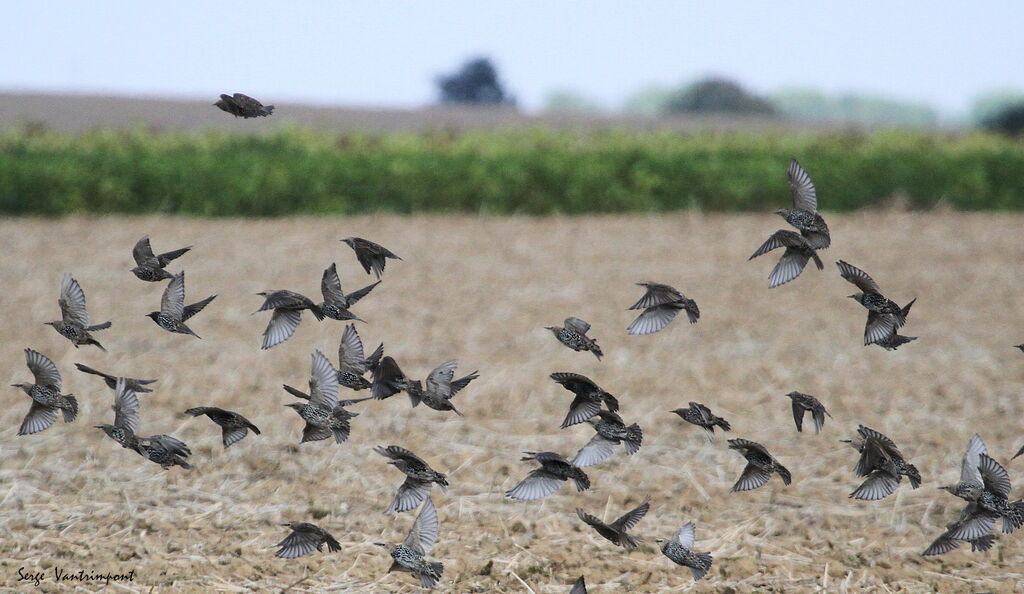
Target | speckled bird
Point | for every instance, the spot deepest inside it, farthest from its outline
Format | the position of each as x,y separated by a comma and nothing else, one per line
806,403
680,550
804,214
895,341
617,531
701,416
970,485
173,312
321,414
136,385
45,392
884,315
287,306
588,400
660,303
149,266
882,463
244,106
372,256
978,518
388,379
336,303
352,363
410,555
547,479
794,259
419,478
74,322
574,335
304,539
440,387
233,425
760,466
611,431
126,417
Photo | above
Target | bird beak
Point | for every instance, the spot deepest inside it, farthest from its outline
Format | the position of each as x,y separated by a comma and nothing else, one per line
851,296
380,544
97,426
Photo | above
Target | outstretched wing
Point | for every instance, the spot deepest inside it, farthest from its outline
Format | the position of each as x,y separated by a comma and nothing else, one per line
440,379
72,302
43,369
858,277
330,285
172,303
350,352
424,530
800,185
126,407
143,254
597,450
323,383
630,519
657,294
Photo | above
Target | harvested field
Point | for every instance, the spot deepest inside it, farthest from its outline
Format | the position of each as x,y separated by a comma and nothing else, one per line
481,290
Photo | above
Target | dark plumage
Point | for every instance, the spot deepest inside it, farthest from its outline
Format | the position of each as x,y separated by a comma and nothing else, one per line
304,539
126,417
336,303
803,403
173,312
680,550
970,485
884,315
701,416
617,531
372,256
804,214
287,306
419,478
544,481
760,466
164,450
135,385
588,400
74,322
794,259
45,394
233,425
611,431
579,586
440,387
410,555
244,106
388,379
149,266
352,363
574,336
660,303
322,415
882,463
1019,452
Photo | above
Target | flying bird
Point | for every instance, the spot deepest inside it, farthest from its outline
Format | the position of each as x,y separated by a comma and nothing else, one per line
164,450
882,463
287,306
806,403
419,478
304,539
149,266
135,385
884,316
173,312
440,387
680,550
410,555
804,214
794,259
45,394
700,415
574,336
352,363
388,379
970,485
760,466
322,415
616,532
74,322
611,431
371,256
588,400
336,303
233,425
553,472
660,303
244,106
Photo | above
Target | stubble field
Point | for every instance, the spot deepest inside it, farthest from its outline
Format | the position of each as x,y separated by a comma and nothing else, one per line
481,290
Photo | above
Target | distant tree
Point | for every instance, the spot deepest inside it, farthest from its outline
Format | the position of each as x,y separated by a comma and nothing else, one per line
717,95
808,105
990,103
476,82
565,100
648,101
1008,121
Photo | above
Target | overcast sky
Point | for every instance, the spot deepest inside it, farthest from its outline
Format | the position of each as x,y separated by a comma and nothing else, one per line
387,53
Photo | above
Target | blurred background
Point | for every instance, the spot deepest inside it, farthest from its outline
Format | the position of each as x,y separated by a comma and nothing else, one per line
535,107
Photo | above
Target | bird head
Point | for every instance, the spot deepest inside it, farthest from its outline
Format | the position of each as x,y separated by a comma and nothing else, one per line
781,212
54,324
948,488
25,387
348,240
153,315
856,296
108,429
659,540
295,405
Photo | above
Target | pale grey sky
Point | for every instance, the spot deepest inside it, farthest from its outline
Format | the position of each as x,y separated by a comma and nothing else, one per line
387,53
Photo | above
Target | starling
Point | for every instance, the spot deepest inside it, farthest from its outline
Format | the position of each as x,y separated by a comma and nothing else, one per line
287,306
388,379
419,478
45,394
440,388
660,303
173,312
244,106
616,531
352,364
793,260
322,413
884,316
135,385
165,450
340,416
611,431
680,551
304,539
803,403
574,336
882,463
126,416
760,466
579,587
701,416
946,543
372,256
804,214
410,555
970,484
336,302
74,322
150,267
589,397
545,480
234,425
